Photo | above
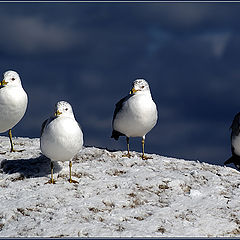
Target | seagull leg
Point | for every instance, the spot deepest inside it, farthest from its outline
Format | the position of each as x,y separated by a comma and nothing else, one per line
128,154
11,142
144,157
10,138
70,173
51,181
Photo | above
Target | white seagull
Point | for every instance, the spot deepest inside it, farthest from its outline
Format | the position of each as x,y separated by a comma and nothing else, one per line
61,137
235,142
13,103
135,115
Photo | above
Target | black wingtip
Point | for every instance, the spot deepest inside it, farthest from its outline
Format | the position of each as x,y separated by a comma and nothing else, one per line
116,134
230,160
235,160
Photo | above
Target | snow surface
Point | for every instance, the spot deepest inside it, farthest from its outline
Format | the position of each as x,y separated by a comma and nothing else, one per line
116,196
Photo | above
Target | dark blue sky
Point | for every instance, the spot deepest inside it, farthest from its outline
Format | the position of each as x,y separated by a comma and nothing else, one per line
89,54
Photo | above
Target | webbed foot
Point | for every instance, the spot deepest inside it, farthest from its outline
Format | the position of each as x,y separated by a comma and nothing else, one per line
127,155
50,181
14,150
144,157
72,181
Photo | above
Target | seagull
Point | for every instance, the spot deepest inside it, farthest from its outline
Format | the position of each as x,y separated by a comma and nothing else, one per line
61,137
13,103
235,142
135,115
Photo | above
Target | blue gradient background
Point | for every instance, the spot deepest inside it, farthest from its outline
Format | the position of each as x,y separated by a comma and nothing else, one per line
89,54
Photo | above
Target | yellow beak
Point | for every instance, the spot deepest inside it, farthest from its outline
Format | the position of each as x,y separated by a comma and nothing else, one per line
3,82
133,91
57,113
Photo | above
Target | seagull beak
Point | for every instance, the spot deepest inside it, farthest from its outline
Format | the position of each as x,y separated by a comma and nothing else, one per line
3,83
57,113
133,91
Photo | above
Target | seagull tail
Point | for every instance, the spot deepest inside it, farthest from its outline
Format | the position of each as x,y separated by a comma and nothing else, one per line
233,159
116,134
230,160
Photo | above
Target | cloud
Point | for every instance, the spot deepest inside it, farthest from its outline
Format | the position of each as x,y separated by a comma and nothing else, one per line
217,42
189,17
33,35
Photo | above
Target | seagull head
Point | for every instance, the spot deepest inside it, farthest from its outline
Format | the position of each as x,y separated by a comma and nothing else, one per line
140,86
11,78
63,108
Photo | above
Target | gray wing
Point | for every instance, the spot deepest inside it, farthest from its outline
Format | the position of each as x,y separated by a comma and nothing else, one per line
119,106
45,123
43,126
235,130
235,125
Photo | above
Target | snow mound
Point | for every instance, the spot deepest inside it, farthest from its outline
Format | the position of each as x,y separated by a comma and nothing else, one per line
116,196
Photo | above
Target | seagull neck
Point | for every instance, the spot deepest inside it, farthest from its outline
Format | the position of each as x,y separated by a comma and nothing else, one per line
145,94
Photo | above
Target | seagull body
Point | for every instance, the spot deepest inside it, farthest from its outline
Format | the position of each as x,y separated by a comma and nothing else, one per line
136,114
13,102
61,136
235,142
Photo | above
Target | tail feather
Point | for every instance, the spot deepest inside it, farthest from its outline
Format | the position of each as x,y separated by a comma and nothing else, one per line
230,160
235,160
116,134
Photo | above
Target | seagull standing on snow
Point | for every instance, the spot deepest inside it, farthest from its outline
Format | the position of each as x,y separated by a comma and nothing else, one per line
61,137
235,142
13,103
135,115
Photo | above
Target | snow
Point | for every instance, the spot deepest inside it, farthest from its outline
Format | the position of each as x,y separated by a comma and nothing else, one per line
115,196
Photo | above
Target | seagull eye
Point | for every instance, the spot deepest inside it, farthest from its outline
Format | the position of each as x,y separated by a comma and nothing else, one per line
13,79
66,109
142,86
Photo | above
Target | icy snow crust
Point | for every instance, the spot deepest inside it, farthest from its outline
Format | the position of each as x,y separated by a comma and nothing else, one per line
116,196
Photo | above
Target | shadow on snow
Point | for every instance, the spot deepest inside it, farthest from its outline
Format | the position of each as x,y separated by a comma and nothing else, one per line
30,168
